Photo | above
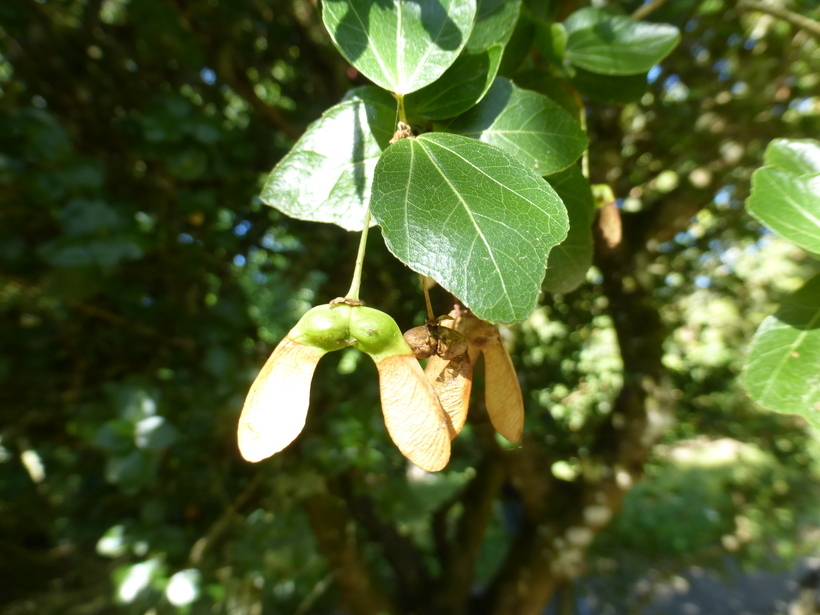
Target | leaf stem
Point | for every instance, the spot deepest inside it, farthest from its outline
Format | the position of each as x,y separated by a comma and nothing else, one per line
356,284
402,114
582,120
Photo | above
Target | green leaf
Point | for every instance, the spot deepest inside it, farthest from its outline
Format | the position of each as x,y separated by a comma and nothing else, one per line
459,88
569,261
470,216
588,17
327,175
528,125
786,195
401,45
799,157
609,44
783,369
551,40
494,24
610,88
558,90
518,47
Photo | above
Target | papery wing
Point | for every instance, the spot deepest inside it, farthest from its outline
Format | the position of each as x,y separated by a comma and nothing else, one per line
502,393
276,407
452,381
414,417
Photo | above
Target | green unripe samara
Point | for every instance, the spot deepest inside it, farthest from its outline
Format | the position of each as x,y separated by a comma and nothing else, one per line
332,328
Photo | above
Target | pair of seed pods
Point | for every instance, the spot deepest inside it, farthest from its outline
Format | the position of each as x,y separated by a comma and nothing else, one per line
422,412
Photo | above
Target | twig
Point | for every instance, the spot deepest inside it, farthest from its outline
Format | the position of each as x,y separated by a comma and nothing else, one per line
331,521
222,524
100,313
458,566
314,594
801,21
399,551
645,9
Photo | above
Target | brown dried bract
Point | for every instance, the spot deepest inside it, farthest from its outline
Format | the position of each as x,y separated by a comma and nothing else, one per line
609,221
346,301
418,338
403,131
435,339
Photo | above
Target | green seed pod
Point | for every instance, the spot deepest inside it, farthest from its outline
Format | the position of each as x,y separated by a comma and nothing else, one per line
276,406
376,333
324,327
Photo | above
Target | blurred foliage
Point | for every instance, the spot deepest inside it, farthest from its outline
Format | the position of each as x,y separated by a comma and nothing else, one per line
143,283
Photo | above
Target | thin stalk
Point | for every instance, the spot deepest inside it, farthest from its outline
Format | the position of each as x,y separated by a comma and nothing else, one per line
645,9
430,316
582,119
356,284
402,114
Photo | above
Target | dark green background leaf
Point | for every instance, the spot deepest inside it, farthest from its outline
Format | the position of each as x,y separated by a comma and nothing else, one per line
470,216
783,369
327,175
569,261
401,45
610,88
551,40
459,88
526,124
494,23
558,90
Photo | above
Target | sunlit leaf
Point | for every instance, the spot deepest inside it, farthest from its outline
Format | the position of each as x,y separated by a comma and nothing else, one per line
470,216
401,45
327,175
526,124
783,369
569,261
602,42
799,157
786,193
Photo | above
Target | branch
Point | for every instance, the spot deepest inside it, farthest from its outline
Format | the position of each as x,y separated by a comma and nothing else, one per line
563,517
332,526
800,21
644,10
224,522
459,559
409,567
